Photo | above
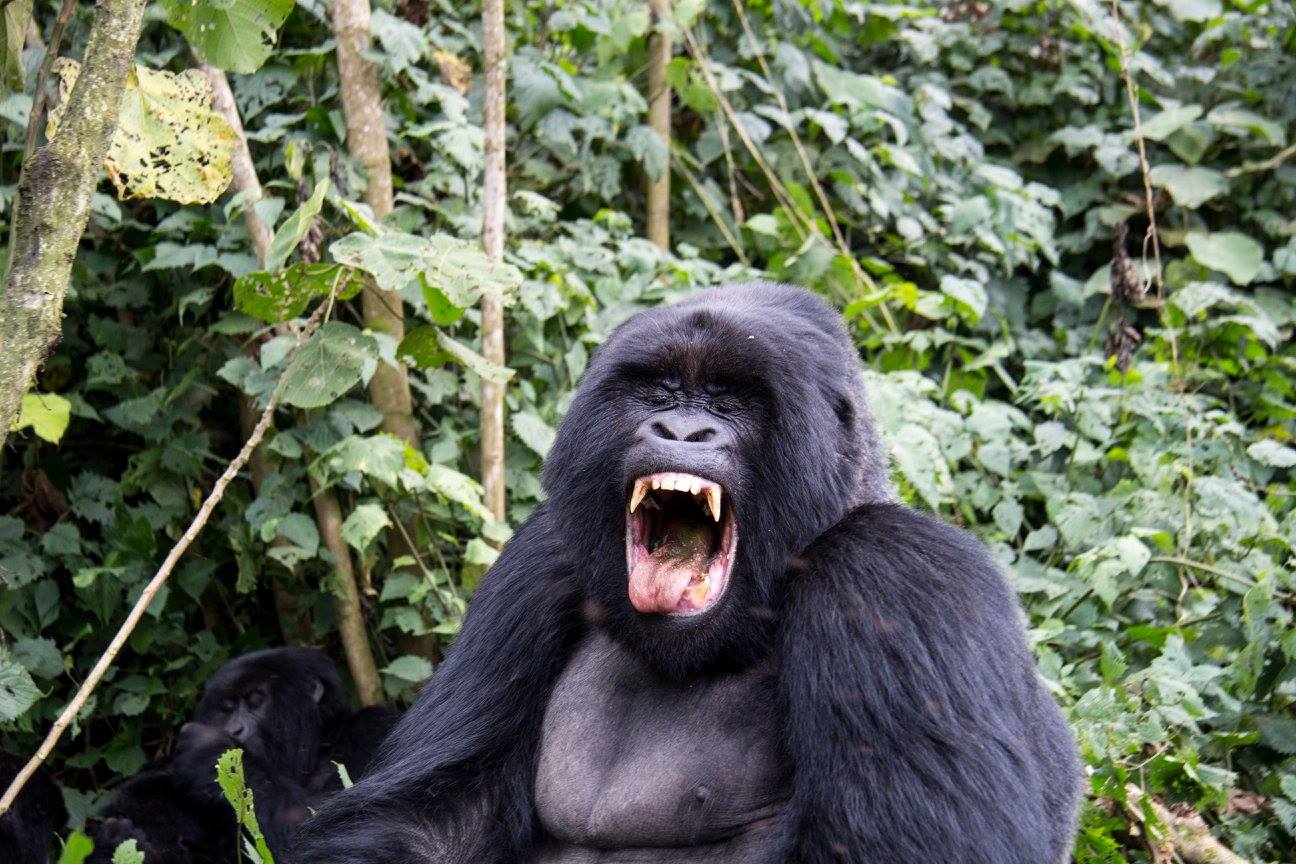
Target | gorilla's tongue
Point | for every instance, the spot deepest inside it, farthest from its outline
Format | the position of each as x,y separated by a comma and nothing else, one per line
675,573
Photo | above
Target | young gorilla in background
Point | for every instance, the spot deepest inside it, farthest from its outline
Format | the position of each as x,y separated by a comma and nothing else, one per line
721,638
285,708
27,831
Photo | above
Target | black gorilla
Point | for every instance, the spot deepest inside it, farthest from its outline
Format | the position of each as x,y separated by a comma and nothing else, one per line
285,708
721,638
27,831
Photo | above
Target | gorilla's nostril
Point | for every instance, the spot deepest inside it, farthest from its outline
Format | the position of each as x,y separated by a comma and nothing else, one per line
701,436
661,430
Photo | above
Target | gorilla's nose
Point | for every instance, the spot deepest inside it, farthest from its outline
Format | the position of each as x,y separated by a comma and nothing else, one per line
688,427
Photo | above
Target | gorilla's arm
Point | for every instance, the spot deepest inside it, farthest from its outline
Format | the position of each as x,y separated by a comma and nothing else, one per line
453,781
915,719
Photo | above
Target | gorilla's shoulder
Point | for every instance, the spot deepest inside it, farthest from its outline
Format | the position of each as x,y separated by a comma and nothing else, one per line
893,548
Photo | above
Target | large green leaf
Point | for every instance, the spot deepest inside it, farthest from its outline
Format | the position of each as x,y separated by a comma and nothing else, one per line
456,268
46,413
1189,187
275,297
169,142
234,35
327,366
1231,252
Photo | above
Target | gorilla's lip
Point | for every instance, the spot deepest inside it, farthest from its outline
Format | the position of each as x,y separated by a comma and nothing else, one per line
681,535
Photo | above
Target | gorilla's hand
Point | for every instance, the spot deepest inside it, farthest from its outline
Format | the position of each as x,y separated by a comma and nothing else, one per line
193,764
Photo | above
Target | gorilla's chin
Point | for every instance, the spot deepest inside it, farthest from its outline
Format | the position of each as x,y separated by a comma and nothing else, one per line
681,536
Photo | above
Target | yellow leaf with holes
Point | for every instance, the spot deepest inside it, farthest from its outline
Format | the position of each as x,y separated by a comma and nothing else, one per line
169,142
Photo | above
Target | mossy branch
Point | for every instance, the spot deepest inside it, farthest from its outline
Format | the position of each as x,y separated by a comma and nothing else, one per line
53,203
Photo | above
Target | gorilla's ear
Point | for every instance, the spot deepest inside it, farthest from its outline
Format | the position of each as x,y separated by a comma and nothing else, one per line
317,690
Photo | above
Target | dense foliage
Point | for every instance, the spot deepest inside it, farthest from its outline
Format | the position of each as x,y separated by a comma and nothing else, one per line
959,176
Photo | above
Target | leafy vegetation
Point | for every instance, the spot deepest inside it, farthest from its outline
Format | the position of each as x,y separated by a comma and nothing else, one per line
963,178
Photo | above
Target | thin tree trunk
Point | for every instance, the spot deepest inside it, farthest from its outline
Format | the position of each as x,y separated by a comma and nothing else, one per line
355,642
493,201
328,512
367,142
53,203
383,310
294,622
659,118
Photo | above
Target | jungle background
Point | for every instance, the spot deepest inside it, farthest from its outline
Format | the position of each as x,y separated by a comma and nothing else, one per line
1109,408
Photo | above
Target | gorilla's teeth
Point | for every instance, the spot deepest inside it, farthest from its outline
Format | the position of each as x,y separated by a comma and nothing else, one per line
640,490
656,482
713,500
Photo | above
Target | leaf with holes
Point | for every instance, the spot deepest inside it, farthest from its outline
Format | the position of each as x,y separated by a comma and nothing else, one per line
276,297
169,142
17,690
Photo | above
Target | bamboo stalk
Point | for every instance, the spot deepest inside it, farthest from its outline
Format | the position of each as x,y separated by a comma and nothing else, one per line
493,201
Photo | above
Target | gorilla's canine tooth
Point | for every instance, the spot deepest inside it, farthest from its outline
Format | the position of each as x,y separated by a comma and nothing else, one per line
713,500
640,490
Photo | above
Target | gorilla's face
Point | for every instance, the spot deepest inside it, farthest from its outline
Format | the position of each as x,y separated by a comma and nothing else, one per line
709,442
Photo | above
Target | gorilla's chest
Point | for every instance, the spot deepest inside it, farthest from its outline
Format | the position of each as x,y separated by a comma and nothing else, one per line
630,764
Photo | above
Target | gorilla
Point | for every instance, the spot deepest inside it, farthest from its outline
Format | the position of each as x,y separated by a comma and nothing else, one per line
721,638
285,708
27,831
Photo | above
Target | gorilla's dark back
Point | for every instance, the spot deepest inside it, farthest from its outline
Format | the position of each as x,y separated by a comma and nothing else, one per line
719,502
27,831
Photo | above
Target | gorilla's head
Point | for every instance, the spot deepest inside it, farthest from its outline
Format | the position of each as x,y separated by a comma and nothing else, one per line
708,443
274,703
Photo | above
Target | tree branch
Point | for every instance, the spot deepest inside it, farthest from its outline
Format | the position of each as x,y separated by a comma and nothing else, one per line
160,577
53,203
493,207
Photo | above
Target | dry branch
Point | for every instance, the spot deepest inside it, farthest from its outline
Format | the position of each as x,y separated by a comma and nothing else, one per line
53,203
159,579
1189,835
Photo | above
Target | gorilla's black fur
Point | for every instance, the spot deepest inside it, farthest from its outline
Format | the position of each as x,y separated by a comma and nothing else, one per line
27,831
285,708
908,703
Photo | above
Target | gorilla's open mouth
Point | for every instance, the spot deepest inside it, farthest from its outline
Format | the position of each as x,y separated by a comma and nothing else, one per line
680,540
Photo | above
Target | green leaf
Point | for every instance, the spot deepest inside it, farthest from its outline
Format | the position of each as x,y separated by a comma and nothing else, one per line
128,852
276,297
1232,253
327,366
17,690
422,349
46,413
234,35
1231,117
230,778
76,849
294,228
968,296
1195,10
649,148
1169,121
534,432
457,268
379,457
410,668
474,361
457,487
1278,732
13,34
1270,452
169,142
1189,187
363,524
